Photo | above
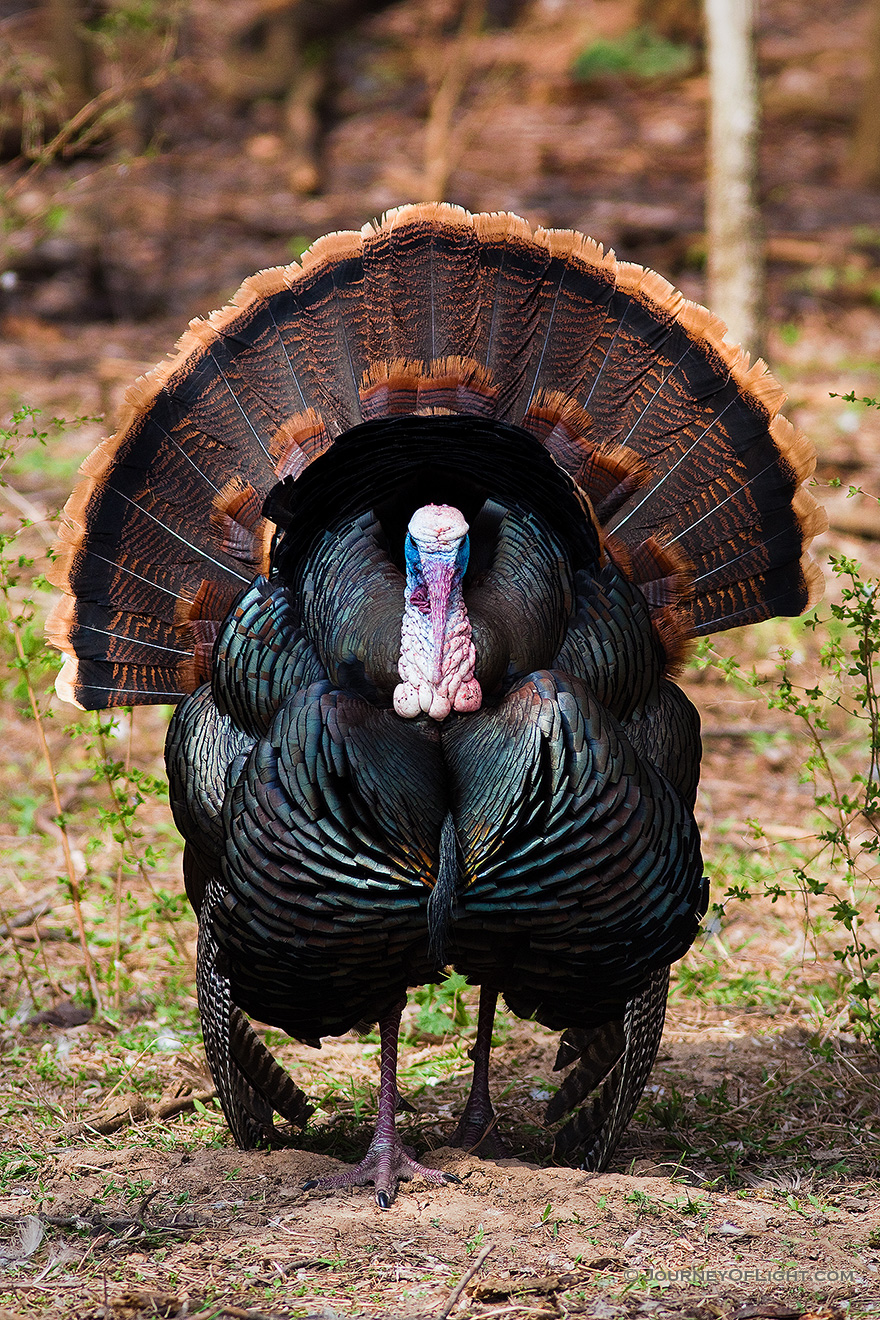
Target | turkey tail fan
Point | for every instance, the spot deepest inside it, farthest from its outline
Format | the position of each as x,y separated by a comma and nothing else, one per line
632,390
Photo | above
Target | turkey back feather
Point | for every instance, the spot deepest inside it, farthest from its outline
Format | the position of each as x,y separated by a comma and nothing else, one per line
695,479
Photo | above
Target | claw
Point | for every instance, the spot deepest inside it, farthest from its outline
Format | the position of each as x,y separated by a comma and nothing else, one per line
387,1161
385,1165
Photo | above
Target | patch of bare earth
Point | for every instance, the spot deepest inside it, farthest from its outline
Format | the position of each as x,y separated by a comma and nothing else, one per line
747,1180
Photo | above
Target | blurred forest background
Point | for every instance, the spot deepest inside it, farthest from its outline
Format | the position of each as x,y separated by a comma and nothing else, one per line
154,153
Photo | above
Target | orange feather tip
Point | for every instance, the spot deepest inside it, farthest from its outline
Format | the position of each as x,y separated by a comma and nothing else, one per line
239,502
403,387
74,515
794,446
211,601
71,532
610,476
98,462
341,245
59,624
301,439
607,474
256,289
58,568
569,245
676,638
501,227
265,284
195,669
813,519
665,578
650,562
198,619
202,331
439,213
753,379
814,579
243,533
553,410
648,287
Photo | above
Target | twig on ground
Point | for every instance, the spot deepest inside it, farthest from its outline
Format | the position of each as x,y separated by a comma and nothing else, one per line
244,1313
26,916
138,1112
463,1282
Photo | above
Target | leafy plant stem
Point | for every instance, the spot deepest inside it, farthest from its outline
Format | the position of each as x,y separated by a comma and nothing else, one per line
72,879
118,780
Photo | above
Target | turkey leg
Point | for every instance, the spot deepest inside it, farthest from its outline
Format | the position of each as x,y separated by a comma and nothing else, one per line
386,1162
475,1127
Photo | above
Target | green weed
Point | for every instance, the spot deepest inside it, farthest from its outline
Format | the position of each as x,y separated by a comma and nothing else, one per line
443,1009
641,53
832,868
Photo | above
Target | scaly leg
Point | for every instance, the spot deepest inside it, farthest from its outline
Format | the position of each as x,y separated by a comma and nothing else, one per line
386,1162
475,1130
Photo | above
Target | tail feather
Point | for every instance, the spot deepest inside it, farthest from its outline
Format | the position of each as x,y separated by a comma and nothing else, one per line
582,324
595,1129
402,307
512,273
268,1079
328,318
455,287
262,352
577,288
670,431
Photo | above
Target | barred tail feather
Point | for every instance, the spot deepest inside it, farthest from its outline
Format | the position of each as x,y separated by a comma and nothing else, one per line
675,438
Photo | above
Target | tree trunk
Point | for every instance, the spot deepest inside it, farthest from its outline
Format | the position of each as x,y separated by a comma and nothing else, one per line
864,161
733,223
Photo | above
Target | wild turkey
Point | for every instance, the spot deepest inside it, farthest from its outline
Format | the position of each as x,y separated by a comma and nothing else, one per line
417,535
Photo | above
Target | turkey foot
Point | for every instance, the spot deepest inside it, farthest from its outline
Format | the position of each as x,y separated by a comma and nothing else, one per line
476,1127
386,1162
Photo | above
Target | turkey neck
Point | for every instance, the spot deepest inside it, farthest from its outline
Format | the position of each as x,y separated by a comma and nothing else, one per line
436,663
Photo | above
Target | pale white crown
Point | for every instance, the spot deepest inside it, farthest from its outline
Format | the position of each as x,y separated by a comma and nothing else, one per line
437,527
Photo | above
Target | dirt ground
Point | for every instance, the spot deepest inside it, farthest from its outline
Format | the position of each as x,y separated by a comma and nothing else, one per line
747,1184
164,1218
